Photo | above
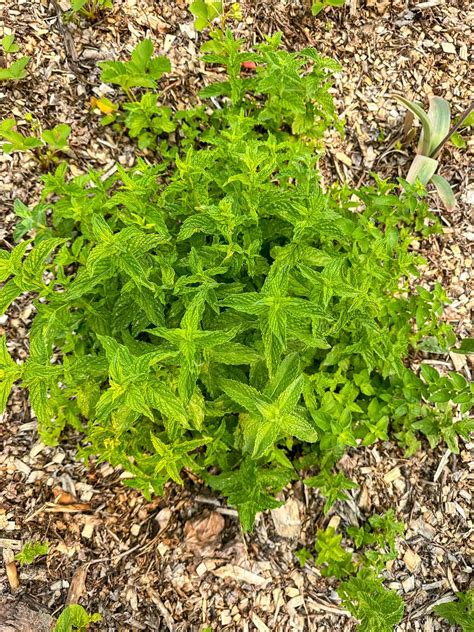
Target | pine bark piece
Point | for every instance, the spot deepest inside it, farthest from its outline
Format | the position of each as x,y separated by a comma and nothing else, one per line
19,616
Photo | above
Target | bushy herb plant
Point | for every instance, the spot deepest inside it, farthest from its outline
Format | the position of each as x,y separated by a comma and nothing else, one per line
227,312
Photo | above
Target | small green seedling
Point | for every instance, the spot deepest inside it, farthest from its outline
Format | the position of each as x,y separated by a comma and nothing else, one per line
436,131
142,71
44,145
90,9
8,44
362,591
207,11
75,618
331,486
145,120
317,7
462,124
16,70
31,551
377,608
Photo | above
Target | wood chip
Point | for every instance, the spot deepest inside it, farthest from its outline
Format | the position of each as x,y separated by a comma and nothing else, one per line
231,571
286,519
448,48
258,623
11,570
77,587
392,475
411,559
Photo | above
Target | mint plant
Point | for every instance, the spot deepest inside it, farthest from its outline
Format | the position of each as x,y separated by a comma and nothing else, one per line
376,608
226,312
361,589
459,612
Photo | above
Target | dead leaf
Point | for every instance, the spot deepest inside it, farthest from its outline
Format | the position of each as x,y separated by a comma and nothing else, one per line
204,530
62,497
286,519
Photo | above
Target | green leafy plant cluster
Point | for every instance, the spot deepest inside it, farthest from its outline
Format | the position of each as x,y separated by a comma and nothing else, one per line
459,612
32,550
143,116
90,9
317,7
361,590
225,311
208,11
75,618
44,145
16,69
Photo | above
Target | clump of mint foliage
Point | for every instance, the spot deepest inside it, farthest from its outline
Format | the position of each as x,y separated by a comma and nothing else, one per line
376,608
225,311
362,591
459,612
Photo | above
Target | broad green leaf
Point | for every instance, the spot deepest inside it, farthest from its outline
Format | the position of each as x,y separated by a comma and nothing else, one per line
57,137
141,55
459,612
247,396
377,608
445,191
439,114
8,293
15,71
8,44
425,143
422,168
466,346
75,617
